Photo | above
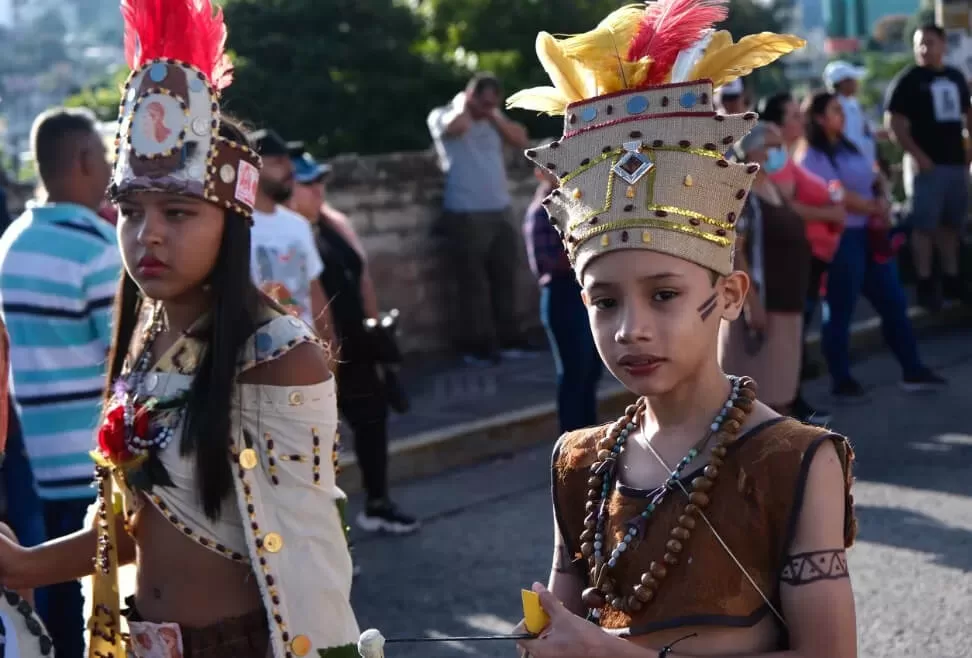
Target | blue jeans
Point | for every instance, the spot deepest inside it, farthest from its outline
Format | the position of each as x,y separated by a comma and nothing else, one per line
852,273
65,605
575,356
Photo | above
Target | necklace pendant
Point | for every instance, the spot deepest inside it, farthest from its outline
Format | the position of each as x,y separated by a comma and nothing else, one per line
593,598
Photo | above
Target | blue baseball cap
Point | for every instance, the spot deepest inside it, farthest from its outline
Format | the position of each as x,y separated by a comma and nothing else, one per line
306,169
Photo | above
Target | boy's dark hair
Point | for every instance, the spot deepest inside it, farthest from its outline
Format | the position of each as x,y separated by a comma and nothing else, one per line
934,28
772,108
54,137
484,81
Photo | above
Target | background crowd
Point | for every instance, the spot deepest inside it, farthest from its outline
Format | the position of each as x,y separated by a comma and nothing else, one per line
820,231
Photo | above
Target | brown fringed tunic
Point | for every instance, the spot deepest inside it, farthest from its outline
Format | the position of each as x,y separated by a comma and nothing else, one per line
755,507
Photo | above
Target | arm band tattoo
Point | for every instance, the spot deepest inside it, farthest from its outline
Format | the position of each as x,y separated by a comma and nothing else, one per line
805,568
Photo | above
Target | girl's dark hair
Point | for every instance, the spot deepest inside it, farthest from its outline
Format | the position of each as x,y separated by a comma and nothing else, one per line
773,108
233,319
814,107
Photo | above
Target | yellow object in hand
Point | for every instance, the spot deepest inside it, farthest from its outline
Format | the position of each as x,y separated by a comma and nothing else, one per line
534,616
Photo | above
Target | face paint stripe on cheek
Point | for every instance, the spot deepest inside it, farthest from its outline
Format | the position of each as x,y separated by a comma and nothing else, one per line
705,310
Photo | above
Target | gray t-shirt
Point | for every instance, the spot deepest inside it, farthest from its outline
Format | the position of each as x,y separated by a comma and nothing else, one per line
473,164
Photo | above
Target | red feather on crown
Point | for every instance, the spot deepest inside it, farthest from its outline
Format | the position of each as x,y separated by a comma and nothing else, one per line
668,27
186,30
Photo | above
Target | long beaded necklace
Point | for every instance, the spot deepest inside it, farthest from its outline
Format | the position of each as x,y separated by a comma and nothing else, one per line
604,591
159,435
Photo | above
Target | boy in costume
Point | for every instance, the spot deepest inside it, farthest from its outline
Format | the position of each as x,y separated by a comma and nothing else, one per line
701,522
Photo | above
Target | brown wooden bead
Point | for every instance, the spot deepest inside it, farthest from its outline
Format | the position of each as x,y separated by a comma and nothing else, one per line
589,506
671,559
603,454
711,471
674,546
594,482
681,533
731,426
691,510
590,521
658,570
593,494
719,451
737,414
699,499
744,405
702,484
686,522
644,594
747,393
587,535
607,586
587,549
649,581
715,461
631,409
634,605
593,598
617,603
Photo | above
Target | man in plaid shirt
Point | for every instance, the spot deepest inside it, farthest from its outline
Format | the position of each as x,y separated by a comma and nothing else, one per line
563,315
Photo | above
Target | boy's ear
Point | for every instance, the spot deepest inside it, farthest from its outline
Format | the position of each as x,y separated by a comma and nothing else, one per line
734,289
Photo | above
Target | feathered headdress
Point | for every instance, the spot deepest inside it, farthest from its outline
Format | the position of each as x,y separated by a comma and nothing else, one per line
642,45
641,163
169,121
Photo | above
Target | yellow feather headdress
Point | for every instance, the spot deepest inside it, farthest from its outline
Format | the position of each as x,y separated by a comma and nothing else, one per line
641,163
601,61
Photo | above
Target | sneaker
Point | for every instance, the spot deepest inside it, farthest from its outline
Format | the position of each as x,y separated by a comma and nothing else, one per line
955,289
384,516
848,390
928,297
923,380
805,413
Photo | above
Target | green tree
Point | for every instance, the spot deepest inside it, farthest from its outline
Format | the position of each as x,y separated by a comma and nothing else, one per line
103,97
341,75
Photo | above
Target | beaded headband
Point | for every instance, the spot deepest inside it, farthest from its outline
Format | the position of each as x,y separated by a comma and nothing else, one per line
168,122
641,162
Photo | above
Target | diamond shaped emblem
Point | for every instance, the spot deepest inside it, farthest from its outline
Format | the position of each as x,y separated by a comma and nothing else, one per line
633,166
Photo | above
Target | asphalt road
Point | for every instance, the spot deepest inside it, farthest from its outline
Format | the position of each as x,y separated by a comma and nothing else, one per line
488,531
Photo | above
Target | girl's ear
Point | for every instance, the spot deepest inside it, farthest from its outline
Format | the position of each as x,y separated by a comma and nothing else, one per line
585,298
734,289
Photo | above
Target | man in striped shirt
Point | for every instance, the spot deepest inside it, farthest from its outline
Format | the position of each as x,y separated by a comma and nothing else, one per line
59,267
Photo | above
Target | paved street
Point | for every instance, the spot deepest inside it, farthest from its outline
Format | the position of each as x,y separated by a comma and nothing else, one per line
488,529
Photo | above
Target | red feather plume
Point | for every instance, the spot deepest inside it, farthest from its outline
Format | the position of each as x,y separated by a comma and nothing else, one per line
186,30
670,26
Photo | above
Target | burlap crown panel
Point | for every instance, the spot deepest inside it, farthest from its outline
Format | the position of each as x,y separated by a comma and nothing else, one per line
646,169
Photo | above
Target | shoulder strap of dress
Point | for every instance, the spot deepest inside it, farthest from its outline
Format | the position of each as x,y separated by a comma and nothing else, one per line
279,334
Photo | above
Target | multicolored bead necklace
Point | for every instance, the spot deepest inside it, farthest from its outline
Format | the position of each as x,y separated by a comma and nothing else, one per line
604,591
160,435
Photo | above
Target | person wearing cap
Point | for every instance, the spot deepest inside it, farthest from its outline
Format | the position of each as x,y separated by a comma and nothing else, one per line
285,262
731,97
843,79
688,526
362,397
928,112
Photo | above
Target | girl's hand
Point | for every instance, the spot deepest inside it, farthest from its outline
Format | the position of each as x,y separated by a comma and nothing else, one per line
567,635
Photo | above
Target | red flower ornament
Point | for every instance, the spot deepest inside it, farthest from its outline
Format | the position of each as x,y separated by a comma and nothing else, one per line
111,434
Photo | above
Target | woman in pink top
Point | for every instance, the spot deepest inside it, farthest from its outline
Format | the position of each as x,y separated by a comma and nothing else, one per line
815,202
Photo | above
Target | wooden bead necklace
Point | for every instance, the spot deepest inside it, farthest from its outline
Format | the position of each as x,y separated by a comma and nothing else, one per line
604,590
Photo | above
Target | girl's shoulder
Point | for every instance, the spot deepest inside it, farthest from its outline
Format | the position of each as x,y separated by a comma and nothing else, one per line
286,342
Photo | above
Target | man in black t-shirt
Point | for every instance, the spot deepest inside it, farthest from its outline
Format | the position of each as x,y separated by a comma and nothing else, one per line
927,113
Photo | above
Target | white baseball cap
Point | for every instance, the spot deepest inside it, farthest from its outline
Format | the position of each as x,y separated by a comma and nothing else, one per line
839,70
734,88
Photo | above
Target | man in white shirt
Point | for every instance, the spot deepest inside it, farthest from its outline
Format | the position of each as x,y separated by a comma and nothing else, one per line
284,258
731,97
843,79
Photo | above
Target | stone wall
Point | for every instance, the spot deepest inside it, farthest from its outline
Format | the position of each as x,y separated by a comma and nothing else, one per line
393,201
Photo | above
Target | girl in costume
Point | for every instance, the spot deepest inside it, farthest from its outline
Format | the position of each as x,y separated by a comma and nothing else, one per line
701,523
214,454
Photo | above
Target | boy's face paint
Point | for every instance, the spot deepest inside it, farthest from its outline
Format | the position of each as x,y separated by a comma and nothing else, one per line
652,316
